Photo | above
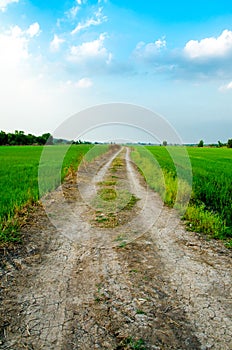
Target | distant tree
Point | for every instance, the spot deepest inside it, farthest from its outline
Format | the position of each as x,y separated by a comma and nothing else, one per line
201,143
47,139
165,143
229,143
220,144
3,138
11,139
31,139
20,138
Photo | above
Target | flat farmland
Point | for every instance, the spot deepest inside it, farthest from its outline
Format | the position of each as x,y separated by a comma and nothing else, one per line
19,168
210,206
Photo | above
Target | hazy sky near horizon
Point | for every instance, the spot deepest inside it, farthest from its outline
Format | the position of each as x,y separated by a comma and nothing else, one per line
58,58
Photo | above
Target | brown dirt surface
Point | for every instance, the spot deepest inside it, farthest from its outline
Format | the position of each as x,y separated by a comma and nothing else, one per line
104,265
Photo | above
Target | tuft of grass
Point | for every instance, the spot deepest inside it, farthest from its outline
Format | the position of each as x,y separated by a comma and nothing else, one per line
107,194
120,238
107,183
112,200
228,244
101,219
204,221
123,244
140,312
133,200
10,232
131,343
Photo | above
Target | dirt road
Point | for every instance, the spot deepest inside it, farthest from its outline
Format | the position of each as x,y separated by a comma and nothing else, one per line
113,269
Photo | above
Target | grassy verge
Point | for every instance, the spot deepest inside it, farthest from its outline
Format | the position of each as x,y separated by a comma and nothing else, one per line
19,188
209,208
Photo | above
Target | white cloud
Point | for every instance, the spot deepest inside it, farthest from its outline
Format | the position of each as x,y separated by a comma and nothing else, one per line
84,83
73,11
14,43
210,47
160,43
151,49
90,50
13,46
71,85
5,3
98,19
226,87
79,2
56,43
33,30
16,59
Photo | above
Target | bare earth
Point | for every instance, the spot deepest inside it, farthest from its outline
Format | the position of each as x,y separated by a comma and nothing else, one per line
132,280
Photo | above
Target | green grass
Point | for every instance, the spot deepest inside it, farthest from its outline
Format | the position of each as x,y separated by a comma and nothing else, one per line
210,206
134,344
140,312
19,166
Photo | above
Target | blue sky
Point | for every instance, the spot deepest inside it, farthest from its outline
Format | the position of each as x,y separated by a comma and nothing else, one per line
173,57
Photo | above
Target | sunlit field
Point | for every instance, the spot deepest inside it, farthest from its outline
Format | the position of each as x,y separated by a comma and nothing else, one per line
210,205
19,167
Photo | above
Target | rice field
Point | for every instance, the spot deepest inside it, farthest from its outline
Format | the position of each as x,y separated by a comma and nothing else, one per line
210,206
19,169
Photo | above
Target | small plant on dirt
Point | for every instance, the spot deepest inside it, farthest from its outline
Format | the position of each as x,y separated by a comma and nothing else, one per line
10,232
98,295
122,244
107,194
101,219
133,200
140,312
131,343
97,300
107,183
120,238
229,244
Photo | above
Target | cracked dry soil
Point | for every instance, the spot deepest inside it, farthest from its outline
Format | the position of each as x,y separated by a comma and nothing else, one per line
131,279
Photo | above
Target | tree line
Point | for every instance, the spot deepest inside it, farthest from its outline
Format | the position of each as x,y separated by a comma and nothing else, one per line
19,138
219,144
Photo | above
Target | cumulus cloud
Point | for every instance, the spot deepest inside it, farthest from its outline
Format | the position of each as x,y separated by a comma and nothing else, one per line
84,83
226,87
212,47
208,58
150,50
14,43
96,20
71,85
56,43
5,3
92,50
33,30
